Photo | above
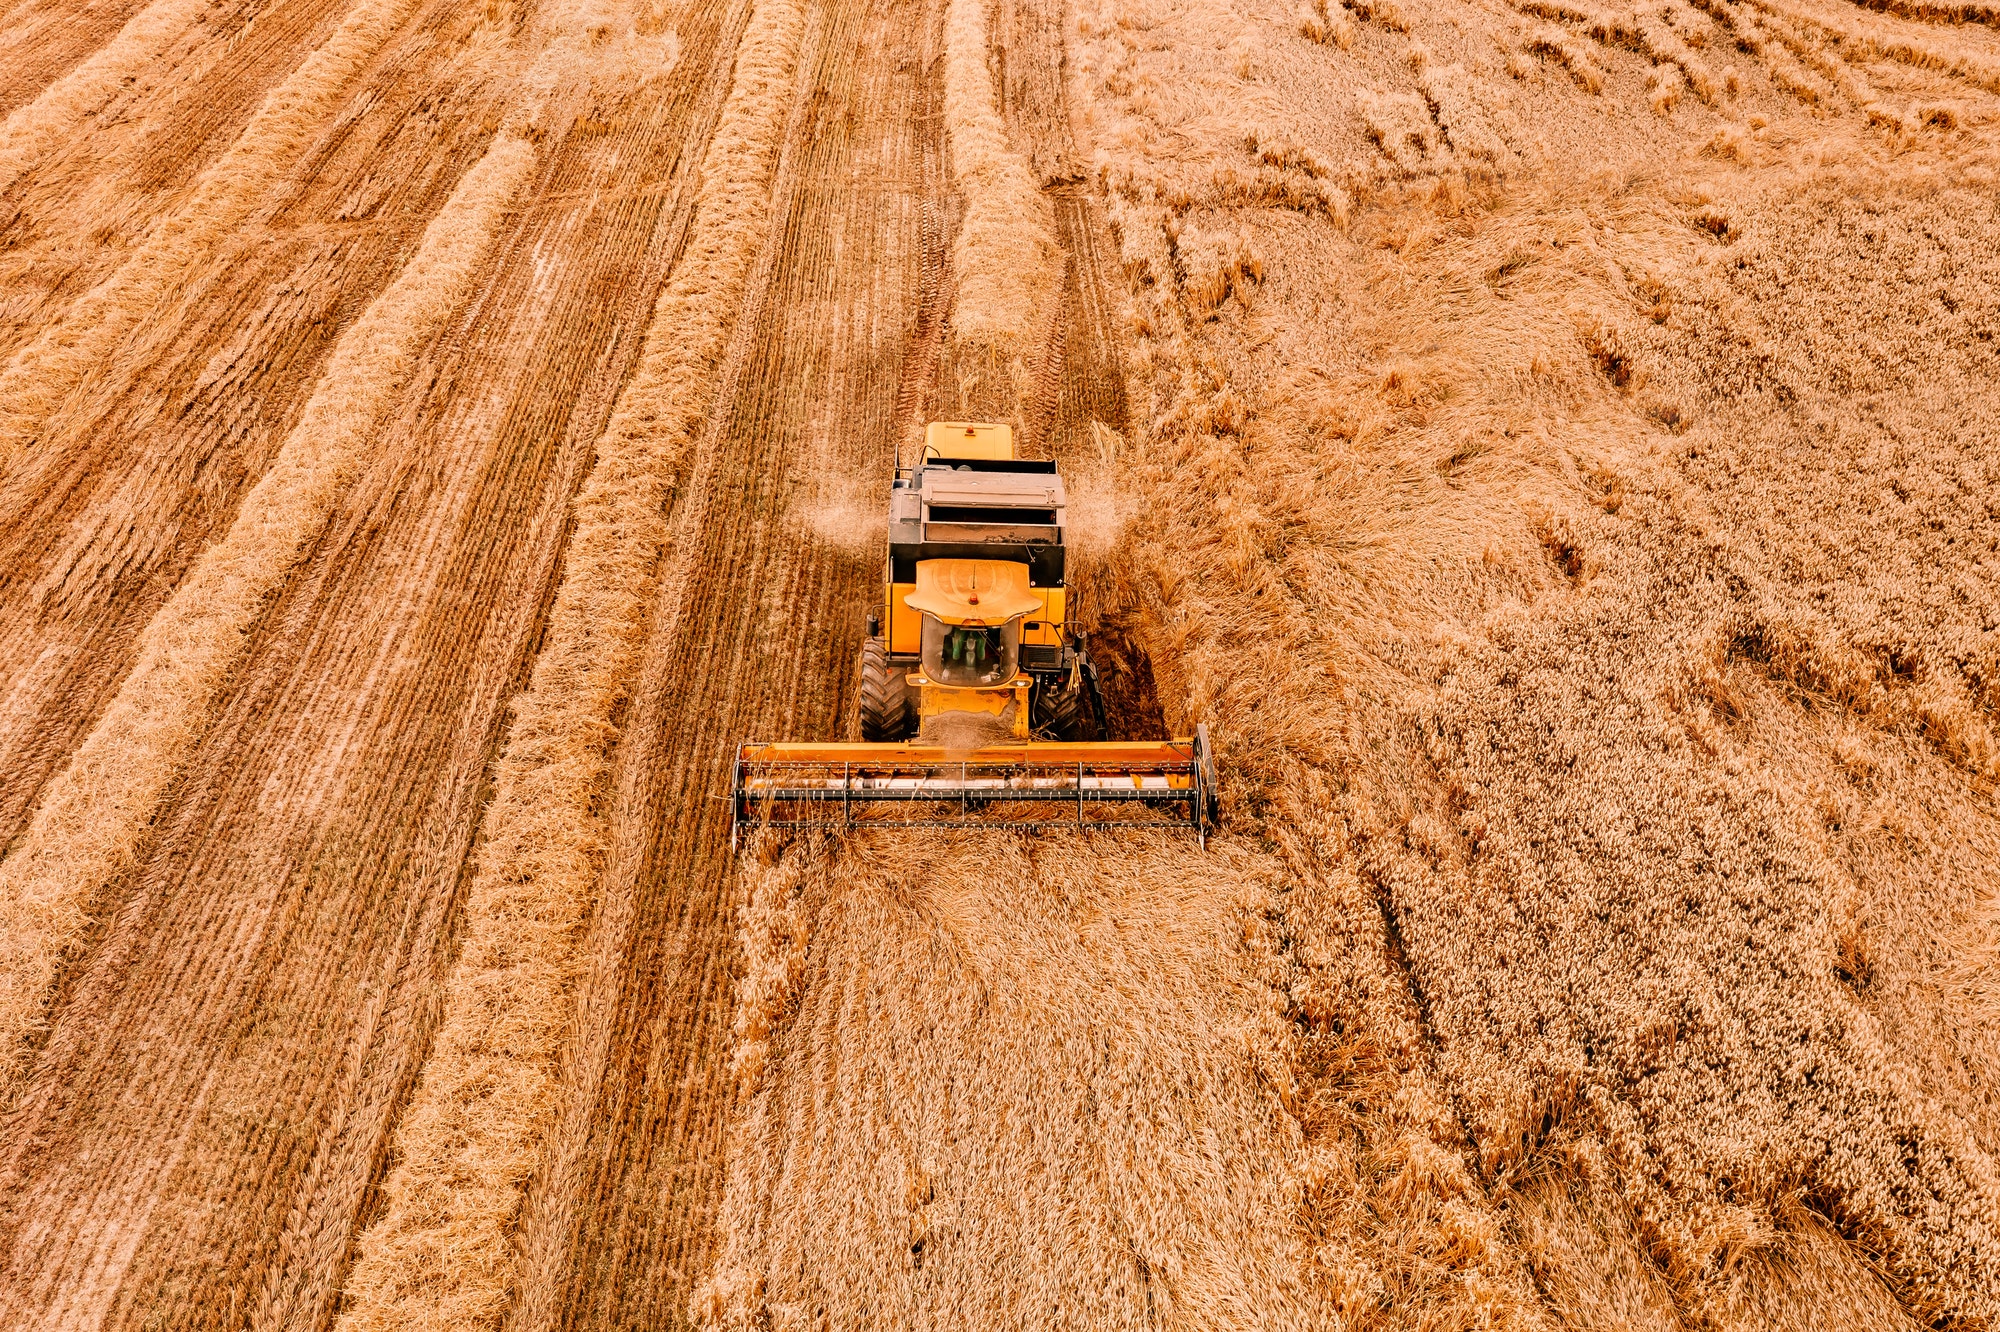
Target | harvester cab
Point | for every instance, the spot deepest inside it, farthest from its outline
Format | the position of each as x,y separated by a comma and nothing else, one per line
974,631
975,683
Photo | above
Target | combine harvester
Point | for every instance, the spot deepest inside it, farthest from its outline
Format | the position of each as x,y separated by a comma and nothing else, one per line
974,680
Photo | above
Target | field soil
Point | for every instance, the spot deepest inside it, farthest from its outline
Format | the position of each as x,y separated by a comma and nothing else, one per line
1552,447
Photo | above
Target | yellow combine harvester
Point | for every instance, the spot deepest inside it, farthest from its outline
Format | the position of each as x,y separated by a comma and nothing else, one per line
974,679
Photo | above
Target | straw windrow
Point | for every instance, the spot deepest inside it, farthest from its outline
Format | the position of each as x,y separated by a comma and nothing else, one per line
97,808
48,369
442,1255
32,130
1004,259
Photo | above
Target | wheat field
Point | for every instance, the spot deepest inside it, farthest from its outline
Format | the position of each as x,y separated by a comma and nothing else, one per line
1550,445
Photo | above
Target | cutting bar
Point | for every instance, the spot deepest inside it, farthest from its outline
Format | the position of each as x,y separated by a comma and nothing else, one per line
1015,786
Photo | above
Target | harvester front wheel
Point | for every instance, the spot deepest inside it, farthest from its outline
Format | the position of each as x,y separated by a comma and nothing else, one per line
885,697
1058,712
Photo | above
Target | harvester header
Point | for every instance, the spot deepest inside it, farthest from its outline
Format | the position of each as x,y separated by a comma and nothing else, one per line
1031,785
975,683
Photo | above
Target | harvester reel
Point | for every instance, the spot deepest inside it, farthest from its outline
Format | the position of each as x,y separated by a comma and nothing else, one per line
1018,785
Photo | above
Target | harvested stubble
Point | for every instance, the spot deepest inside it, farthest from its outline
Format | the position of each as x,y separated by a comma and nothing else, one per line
94,812
442,1254
261,1003
136,474
1004,258
89,201
32,130
42,374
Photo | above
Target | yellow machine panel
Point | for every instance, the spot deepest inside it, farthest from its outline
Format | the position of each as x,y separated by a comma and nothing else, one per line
1046,628
984,592
968,439
904,629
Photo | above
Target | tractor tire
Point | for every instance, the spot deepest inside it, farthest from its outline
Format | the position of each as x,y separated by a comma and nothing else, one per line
1058,712
885,697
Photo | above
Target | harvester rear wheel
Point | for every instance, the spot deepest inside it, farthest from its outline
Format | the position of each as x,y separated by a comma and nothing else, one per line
885,697
1058,712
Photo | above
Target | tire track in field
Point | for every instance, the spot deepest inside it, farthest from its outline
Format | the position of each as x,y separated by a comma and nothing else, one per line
751,637
270,978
